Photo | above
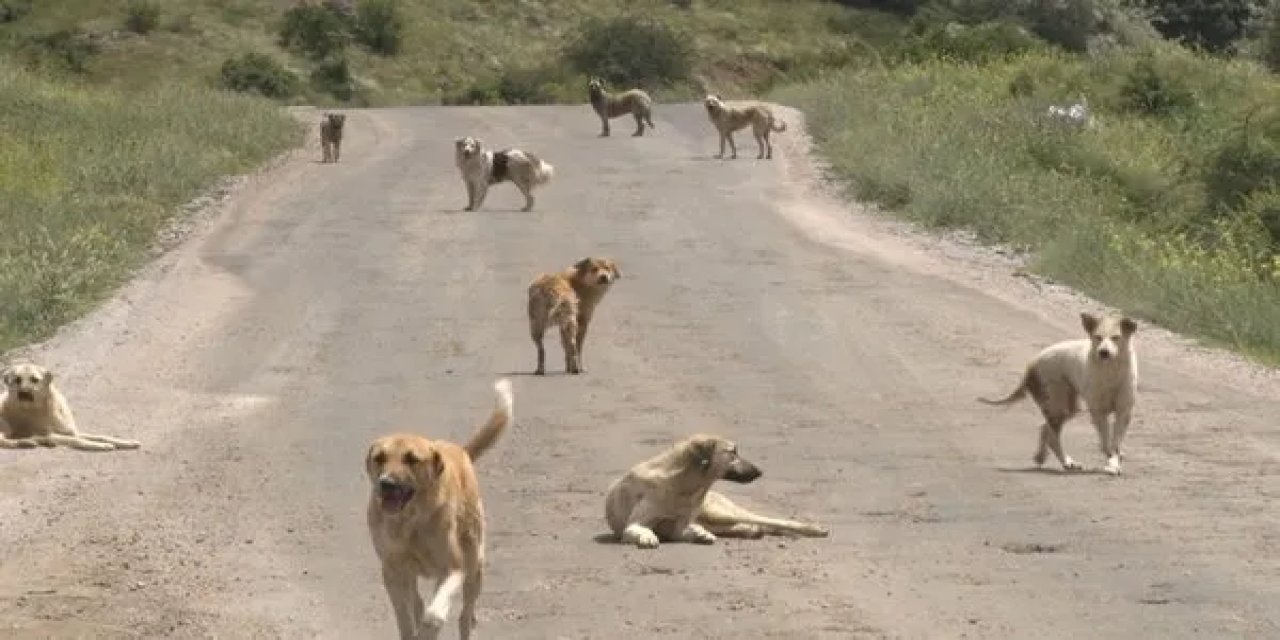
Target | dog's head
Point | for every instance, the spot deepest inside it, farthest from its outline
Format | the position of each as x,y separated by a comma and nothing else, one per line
27,382
714,103
595,86
596,272
718,458
1111,336
400,467
467,147
335,120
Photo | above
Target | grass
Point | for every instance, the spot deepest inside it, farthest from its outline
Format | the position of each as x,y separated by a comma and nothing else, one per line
88,176
452,47
1123,211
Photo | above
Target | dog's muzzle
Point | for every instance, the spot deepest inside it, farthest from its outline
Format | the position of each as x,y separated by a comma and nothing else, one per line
603,279
1104,354
26,396
742,472
393,495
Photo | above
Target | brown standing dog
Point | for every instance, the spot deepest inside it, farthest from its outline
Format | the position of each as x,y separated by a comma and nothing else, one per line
729,119
427,521
608,106
331,136
567,300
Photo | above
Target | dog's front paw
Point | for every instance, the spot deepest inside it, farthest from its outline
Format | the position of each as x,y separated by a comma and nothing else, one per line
1113,466
432,623
1070,465
647,540
698,534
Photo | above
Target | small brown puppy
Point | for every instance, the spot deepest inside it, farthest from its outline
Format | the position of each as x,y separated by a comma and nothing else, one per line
331,135
1101,369
426,519
669,498
568,300
608,106
33,412
729,119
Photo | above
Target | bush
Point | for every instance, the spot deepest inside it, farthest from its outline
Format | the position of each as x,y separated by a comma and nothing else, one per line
12,10
1271,41
1155,91
1247,164
259,73
72,49
379,26
1212,25
333,76
629,51
981,42
317,31
142,16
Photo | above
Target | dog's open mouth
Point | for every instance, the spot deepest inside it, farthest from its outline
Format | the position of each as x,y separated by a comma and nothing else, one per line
394,496
26,396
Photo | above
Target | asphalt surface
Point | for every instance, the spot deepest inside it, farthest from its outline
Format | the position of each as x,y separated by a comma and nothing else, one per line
327,304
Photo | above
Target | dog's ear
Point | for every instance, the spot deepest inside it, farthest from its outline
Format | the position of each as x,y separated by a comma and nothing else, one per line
617,273
1128,325
368,459
582,264
1088,321
437,464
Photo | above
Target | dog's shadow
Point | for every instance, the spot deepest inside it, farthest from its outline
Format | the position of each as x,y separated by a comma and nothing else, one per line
1049,471
530,374
607,538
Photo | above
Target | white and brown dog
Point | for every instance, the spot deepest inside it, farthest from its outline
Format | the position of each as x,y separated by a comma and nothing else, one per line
1102,369
482,168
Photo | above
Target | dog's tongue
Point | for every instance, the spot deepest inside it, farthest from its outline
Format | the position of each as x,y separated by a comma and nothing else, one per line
395,500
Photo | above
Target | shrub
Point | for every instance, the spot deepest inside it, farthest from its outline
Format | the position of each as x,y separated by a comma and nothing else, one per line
142,16
317,31
1247,164
1212,25
379,26
12,10
333,76
525,86
1271,41
981,42
1153,90
73,49
259,73
629,51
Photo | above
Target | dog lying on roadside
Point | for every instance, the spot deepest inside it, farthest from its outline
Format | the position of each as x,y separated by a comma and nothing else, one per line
568,300
608,106
331,136
728,119
668,498
482,168
1102,369
426,519
33,412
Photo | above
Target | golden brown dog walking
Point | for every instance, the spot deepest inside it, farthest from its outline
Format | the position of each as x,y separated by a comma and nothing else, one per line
728,119
568,300
608,106
331,136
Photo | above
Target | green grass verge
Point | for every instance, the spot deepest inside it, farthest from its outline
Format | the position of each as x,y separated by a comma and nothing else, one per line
89,175
1126,211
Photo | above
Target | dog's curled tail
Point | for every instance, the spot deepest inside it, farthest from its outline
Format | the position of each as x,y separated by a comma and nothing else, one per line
545,171
503,410
1021,392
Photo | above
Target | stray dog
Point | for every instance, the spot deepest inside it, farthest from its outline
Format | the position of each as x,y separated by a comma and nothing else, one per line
482,168
729,119
1102,369
331,136
668,498
1076,115
607,105
426,519
33,412
568,300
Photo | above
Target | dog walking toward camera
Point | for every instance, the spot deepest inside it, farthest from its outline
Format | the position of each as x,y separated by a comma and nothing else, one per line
568,300
331,136
426,519
1101,369
482,168
33,412
668,498
608,106
728,119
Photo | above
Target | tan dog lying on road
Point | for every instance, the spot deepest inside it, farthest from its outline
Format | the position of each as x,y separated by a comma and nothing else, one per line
331,136
1102,369
482,168
607,106
729,119
33,412
568,300
427,520
668,498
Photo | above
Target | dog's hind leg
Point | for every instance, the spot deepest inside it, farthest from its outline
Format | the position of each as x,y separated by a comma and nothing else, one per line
697,534
733,146
528,196
17,443
470,593
722,516
1054,438
537,331
639,116
569,341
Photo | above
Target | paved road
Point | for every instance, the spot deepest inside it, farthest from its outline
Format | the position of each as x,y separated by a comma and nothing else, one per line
329,304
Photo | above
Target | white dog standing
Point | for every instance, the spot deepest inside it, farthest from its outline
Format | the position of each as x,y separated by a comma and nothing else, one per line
482,168
1102,369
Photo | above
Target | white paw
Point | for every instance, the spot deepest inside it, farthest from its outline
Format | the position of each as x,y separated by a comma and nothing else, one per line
1070,465
647,540
432,622
699,535
1113,466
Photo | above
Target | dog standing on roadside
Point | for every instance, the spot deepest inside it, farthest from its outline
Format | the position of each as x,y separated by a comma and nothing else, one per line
33,412
426,519
728,119
568,300
608,106
1102,369
482,168
331,136
669,498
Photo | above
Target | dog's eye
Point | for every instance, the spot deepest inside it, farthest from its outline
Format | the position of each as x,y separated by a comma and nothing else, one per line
411,459
380,458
